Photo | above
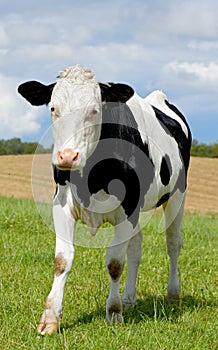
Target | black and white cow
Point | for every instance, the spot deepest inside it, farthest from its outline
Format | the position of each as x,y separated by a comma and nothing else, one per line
114,154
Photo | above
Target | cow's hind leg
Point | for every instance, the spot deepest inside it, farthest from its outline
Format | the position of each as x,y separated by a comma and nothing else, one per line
173,211
134,252
115,263
64,227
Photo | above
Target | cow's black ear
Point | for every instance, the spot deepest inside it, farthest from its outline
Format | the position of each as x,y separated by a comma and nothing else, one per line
36,93
116,92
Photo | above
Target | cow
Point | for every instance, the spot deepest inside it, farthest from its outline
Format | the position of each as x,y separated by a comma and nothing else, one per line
115,153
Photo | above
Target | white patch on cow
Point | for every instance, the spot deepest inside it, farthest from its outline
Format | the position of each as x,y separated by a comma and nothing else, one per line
76,113
140,109
157,99
102,208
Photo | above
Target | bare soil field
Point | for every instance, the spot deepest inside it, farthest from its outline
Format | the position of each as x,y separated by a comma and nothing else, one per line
203,185
29,176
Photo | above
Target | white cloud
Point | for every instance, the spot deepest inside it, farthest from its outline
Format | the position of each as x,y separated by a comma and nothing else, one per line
201,45
169,45
174,22
192,18
16,117
4,40
206,74
42,53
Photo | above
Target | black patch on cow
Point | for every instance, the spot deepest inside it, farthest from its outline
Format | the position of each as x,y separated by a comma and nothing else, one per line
163,199
175,110
61,176
181,185
112,92
174,129
36,93
115,169
126,158
120,155
165,170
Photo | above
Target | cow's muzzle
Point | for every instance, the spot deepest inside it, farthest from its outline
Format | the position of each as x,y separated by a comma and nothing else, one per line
67,159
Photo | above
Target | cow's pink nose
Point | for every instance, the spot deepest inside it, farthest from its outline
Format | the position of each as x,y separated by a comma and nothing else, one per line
67,158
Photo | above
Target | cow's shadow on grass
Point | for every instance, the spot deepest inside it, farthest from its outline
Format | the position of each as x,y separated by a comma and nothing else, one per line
157,308
150,308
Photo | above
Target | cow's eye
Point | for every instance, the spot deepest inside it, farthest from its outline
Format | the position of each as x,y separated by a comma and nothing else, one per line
93,112
52,109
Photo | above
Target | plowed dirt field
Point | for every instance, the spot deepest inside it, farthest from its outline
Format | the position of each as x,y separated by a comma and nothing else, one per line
31,177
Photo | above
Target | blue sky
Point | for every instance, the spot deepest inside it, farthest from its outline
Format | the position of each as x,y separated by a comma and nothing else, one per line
168,45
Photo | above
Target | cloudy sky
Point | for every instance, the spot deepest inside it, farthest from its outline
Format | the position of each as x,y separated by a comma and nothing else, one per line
151,44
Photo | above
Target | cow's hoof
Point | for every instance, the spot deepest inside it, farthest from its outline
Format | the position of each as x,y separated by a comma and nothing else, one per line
48,328
173,299
114,318
114,314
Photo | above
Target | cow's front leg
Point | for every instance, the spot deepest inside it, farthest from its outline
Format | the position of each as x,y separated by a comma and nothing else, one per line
64,254
134,253
115,263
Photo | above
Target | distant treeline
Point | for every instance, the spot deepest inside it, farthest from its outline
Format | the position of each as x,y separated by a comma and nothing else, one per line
16,146
204,150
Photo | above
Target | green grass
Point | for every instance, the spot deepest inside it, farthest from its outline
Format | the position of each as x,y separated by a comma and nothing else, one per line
26,274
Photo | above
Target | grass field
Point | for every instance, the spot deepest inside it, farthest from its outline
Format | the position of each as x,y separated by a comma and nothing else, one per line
26,261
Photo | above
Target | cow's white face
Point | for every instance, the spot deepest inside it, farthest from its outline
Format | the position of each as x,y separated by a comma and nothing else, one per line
75,101
77,115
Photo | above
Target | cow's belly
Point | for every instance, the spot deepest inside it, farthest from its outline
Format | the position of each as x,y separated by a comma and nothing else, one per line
107,208
102,208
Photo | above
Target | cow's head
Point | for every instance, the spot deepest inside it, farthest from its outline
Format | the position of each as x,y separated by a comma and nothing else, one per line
75,102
